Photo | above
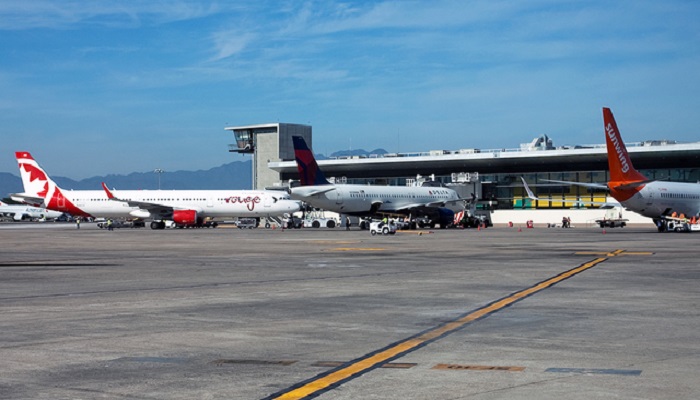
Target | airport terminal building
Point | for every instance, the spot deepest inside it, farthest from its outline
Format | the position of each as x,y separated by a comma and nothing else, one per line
492,175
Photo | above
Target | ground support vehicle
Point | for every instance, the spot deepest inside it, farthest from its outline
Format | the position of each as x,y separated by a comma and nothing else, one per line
293,223
122,224
613,219
318,219
612,223
674,224
471,218
385,228
247,223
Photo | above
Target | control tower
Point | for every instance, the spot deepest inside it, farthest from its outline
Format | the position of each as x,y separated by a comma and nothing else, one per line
267,143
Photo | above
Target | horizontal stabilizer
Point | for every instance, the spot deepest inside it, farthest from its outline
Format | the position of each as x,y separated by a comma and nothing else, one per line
25,198
632,185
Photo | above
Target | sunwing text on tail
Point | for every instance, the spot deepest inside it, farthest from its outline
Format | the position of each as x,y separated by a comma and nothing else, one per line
665,202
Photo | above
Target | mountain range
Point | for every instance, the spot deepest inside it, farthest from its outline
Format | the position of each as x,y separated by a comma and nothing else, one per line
234,175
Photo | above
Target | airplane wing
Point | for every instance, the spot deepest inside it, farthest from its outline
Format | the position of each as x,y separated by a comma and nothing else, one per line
437,203
596,203
152,208
583,184
630,185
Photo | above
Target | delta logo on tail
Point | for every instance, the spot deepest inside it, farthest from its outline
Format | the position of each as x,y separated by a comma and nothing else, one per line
309,172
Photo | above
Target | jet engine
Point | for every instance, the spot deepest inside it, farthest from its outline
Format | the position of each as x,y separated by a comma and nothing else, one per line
185,217
445,217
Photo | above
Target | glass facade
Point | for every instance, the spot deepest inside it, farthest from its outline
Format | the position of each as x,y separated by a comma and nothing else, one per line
505,191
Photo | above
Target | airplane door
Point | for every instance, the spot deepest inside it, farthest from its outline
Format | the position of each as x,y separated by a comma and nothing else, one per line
338,196
267,203
210,202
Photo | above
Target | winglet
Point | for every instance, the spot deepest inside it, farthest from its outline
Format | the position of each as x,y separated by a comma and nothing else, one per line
109,194
309,172
527,189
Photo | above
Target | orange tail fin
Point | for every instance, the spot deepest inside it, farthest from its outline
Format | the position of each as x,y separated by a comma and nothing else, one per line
621,168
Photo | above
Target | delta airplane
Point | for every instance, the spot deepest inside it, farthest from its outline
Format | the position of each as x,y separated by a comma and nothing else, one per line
183,207
435,202
667,203
23,212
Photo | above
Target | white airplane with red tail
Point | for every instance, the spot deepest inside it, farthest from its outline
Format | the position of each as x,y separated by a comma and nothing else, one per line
183,207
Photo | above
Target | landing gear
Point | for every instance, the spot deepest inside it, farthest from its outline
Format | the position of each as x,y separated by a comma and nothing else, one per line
157,224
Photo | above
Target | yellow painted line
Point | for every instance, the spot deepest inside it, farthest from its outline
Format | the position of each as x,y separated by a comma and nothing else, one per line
358,249
341,363
614,253
333,378
335,241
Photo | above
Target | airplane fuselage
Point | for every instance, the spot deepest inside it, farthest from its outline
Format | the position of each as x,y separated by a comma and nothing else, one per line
659,197
207,203
20,212
366,199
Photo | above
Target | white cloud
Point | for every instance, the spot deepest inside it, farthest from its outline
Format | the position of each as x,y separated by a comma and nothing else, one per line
21,15
230,42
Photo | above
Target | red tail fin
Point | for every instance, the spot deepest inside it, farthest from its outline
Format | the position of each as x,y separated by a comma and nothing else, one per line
621,168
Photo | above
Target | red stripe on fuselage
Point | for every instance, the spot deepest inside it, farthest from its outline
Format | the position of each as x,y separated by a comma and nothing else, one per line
59,202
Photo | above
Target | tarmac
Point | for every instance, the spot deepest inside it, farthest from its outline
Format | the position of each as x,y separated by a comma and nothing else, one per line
497,313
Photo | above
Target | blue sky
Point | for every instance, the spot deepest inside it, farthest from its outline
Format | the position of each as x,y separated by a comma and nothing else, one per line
97,87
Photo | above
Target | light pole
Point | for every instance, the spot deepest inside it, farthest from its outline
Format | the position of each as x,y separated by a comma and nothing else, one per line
158,171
